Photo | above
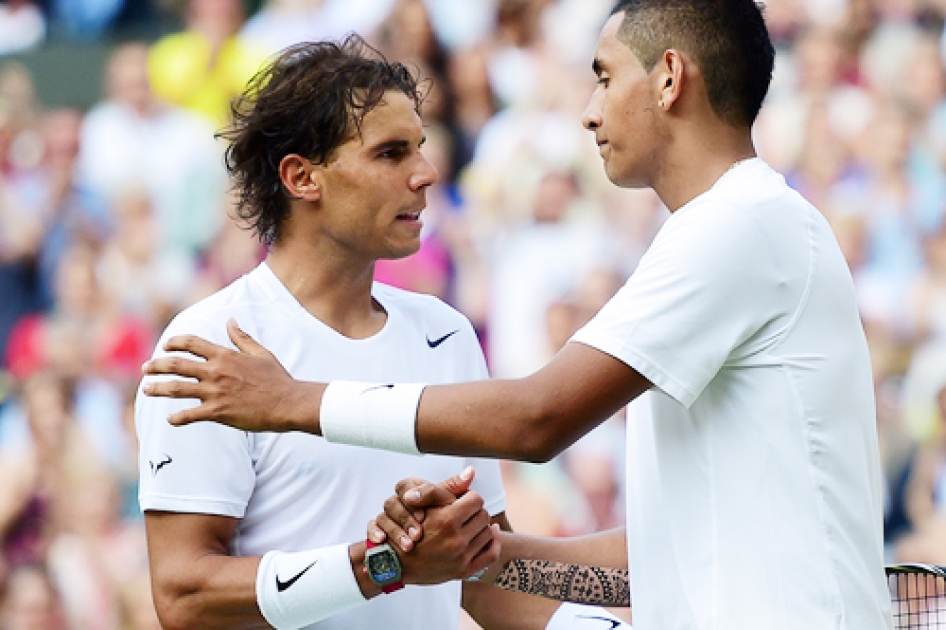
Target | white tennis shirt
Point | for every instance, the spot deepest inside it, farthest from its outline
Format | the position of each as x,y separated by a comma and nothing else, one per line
295,491
754,494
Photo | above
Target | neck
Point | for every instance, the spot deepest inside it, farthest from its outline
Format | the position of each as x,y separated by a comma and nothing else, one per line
335,290
695,162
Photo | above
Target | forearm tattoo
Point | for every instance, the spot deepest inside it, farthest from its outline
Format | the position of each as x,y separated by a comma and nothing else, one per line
567,582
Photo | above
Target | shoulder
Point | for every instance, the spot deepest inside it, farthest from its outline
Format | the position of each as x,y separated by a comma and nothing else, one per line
208,317
750,213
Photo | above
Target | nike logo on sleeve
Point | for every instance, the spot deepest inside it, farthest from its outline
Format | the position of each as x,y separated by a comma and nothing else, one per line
437,342
614,624
281,586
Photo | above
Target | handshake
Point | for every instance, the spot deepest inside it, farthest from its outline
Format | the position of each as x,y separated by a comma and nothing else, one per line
439,532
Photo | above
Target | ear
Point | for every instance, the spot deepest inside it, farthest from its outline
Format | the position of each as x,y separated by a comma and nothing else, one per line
300,178
670,74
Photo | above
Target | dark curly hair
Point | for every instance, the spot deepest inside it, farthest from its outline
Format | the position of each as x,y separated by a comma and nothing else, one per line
727,38
309,101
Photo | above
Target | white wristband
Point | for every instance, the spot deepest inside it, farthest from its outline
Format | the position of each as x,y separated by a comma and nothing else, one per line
571,616
376,415
294,590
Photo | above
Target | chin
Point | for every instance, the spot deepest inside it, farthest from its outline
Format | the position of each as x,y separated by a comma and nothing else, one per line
396,253
625,178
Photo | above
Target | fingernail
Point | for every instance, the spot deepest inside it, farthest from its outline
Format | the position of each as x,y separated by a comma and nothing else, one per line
144,367
412,495
467,473
419,516
413,532
406,543
146,389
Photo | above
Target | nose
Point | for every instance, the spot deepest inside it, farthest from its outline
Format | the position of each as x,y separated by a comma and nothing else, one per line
425,174
592,117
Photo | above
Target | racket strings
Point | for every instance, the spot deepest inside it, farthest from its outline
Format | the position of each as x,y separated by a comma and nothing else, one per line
919,600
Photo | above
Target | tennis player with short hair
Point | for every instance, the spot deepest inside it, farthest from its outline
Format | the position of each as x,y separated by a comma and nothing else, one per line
249,529
754,496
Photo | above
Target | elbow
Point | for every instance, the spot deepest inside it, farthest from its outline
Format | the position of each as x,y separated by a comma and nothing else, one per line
174,616
175,609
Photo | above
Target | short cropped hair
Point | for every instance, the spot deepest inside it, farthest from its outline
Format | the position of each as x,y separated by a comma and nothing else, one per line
728,39
309,101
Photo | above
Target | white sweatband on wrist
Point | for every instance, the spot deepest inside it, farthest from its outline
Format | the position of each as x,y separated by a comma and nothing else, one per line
294,590
376,415
571,616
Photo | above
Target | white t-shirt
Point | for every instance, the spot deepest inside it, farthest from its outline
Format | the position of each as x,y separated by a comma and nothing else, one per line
754,495
295,491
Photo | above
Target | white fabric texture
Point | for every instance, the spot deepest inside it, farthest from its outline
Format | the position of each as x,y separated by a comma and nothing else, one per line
296,491
571,616
754,493
375,415
297,589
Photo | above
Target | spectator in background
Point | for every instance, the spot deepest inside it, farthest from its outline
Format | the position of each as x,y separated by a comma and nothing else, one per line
21,233
926,496
39,476
473,101
139,277
31,603
22,26
233,252
886,196
86,19
83,339
132,139
97,552
282,23
207,64
43,212
539,261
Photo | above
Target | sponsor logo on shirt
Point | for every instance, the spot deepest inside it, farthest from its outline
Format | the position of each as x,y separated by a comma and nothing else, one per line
437,342
157,466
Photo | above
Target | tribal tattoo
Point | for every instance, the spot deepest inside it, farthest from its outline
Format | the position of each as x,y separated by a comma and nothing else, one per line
567,582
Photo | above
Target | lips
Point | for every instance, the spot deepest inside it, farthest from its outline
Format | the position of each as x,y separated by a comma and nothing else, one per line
409,216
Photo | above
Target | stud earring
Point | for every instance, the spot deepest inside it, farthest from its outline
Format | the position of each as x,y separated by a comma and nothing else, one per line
660,103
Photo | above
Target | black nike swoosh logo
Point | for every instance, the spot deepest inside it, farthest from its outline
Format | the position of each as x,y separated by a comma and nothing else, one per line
434,344
614,624
371,389
155,468
281,586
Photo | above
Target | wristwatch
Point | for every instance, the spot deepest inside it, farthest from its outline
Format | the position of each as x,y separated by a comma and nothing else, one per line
384,567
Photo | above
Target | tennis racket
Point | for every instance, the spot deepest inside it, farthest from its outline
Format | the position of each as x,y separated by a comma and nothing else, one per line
918,592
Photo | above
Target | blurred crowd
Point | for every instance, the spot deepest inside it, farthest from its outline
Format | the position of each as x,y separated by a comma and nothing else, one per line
115,218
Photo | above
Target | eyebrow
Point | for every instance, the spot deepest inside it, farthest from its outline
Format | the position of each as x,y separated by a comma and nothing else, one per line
389,145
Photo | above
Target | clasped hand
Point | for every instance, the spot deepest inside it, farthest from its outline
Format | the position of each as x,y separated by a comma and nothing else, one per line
445,535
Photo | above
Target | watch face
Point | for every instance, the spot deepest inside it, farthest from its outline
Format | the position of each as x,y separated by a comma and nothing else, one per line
383,567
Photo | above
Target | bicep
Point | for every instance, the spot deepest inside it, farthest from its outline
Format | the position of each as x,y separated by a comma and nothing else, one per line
582,387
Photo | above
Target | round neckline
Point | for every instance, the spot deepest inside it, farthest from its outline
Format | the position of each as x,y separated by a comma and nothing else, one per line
273,285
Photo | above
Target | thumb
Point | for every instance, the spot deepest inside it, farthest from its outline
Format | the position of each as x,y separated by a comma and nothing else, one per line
243,341
459,484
